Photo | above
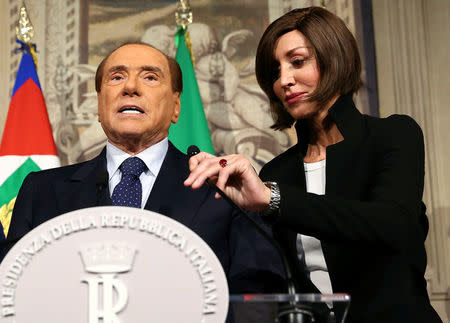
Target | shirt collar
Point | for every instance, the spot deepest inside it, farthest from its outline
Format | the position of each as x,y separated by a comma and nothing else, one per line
153,157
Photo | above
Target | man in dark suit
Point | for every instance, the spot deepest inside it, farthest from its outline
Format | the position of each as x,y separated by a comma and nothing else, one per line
138,91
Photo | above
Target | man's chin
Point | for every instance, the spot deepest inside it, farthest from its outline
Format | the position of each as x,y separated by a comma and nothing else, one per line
130,137
136,139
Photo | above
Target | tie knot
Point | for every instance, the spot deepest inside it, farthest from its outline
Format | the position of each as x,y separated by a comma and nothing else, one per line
133,166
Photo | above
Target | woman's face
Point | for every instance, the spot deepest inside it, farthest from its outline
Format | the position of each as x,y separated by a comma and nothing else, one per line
298,74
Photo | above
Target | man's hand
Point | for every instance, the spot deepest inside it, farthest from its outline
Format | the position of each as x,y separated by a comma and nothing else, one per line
234,175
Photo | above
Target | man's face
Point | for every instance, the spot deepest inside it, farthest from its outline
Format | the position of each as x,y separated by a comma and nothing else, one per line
136,103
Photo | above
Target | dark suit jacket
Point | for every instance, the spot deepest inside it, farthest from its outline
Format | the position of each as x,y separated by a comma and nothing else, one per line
248,260
371,221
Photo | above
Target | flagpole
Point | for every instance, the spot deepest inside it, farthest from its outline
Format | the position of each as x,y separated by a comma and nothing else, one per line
25,32
183,14
183,18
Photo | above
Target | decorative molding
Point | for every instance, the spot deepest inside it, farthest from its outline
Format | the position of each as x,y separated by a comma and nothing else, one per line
4,61
62,56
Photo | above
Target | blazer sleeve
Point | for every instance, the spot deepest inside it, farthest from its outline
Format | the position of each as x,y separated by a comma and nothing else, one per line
391,214
255,264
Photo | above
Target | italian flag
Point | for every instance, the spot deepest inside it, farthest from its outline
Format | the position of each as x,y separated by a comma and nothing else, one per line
27,144
192,127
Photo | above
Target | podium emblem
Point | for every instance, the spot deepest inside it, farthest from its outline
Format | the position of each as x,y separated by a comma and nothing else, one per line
112,264
107,261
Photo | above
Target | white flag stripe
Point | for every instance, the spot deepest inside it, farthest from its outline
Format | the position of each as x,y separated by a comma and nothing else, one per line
9,164
46,161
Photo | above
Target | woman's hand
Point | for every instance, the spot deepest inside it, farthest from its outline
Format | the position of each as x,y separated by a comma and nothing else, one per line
234,175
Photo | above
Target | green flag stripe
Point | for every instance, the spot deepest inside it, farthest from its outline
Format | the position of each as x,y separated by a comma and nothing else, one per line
11,186
192,126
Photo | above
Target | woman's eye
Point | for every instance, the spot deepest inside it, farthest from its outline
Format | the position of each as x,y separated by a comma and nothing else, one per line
298,62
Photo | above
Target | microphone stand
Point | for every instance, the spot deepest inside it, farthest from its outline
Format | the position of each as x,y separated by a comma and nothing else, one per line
290,312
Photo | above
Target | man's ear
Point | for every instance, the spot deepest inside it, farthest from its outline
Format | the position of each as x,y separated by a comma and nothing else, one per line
177,107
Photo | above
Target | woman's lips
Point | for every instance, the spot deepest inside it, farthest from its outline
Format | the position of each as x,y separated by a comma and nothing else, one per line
294,97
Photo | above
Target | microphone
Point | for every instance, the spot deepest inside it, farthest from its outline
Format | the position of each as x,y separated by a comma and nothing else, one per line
192,151
291,313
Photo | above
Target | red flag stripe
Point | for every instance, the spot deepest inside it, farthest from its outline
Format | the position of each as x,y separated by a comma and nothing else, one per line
27,128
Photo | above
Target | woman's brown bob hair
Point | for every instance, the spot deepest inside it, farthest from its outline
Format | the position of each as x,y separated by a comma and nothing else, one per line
334,49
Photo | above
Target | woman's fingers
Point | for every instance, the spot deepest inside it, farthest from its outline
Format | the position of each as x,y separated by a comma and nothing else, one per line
234,175
224,175
196,159
204,166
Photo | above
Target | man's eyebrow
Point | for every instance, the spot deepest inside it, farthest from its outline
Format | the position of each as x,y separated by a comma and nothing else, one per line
151,68
117,68
148,68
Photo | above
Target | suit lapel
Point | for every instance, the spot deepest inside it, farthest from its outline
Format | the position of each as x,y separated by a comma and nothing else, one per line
87,187
169,196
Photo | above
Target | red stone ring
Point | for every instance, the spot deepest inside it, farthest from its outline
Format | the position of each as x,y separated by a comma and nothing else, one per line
223,163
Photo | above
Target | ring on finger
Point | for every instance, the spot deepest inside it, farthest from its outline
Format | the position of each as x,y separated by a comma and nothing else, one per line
223,163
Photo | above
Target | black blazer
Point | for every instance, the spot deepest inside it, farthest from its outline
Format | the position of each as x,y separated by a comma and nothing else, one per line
250,263
371,221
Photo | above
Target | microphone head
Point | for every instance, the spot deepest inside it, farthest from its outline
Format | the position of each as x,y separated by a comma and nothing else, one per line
192,151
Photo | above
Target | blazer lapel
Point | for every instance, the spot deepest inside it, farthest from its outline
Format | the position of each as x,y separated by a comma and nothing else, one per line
342,174
338,168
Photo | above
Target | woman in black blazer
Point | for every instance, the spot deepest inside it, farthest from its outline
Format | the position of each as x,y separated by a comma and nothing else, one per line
346,201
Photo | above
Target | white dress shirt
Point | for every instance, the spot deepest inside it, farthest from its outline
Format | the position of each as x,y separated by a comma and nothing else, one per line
153,158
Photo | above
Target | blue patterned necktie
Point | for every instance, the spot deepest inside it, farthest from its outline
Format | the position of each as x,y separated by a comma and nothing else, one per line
129,190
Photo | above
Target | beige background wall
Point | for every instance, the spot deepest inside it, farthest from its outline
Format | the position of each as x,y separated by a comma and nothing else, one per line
413,67
411,40
4,69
